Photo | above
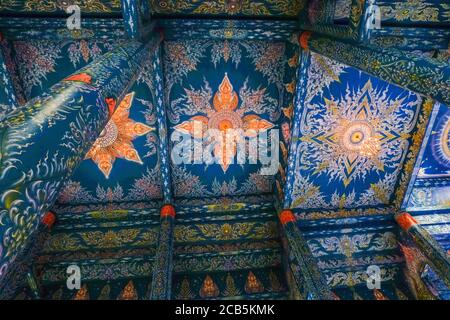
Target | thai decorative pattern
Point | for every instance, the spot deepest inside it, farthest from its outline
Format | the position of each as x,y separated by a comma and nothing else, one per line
402,13
226,231
128,293
287,8
253,285
225,117
256,105
115,140
44,63
348,135
18,29
111,251
258,282
234,254
74,113
130,143
430,184
344,254
158,95
92,153
105,290
162,272
129,237
415,11
54,6
227,29
426,76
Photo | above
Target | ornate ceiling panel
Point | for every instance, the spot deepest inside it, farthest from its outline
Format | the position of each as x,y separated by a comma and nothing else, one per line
403,12
222,85
41,64
182,29
431,189
58,7
123,164
346,247
355,135
114,249
283,8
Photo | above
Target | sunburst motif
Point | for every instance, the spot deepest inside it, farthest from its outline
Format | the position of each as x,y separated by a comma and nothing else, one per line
225,117
116,139
359,134
441,142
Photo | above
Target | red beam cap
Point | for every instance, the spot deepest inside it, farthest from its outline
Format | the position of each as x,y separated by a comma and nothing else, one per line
287,216
303,39
80,77
167,210
49,219
405,220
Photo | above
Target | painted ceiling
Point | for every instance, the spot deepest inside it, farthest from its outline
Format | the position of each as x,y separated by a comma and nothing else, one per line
428,196
58,7
354,137
418,12
123,164
344,248
430,189
346,147
200,78
284,8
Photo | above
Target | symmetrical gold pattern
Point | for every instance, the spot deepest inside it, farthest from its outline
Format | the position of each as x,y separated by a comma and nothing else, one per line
116,139
226,119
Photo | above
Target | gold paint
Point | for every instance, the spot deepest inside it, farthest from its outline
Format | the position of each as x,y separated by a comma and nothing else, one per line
116,139
209,289
253,285
128,293
225,207
230,287
82,294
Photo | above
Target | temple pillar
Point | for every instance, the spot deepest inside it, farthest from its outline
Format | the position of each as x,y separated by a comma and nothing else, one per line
311,283
46,139
422,75
162,269
355,31
299,101
428,246
136,16
164,152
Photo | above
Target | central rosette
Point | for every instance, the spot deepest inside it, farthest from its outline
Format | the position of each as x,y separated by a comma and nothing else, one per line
358,138
224,121
226,124
108,135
